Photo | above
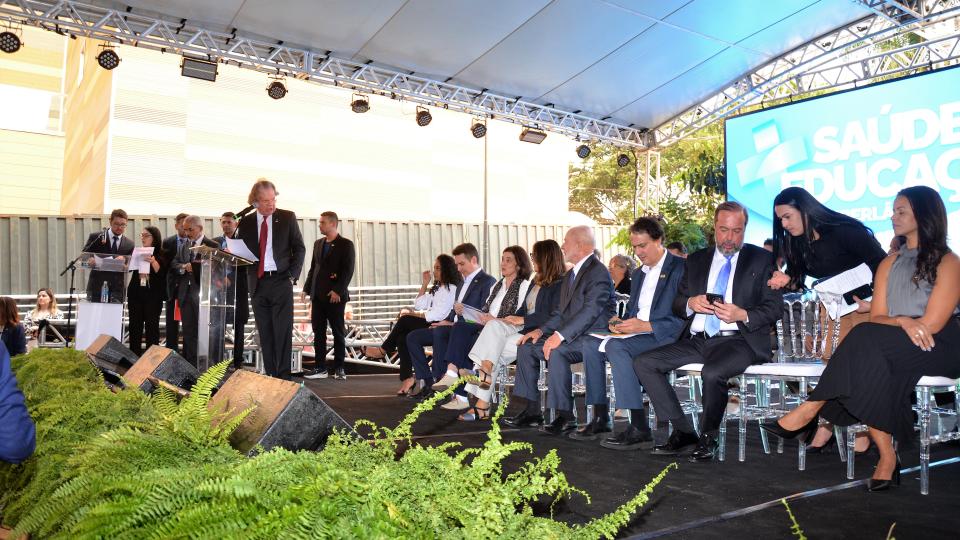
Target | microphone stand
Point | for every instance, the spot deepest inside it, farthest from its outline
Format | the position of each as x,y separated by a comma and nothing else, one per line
72,268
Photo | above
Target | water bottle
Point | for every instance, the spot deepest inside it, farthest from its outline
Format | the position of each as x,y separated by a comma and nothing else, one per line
105,293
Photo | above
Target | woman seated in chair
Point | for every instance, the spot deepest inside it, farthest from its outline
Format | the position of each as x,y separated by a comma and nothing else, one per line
45,309
497,344
433,303
12,333
912,332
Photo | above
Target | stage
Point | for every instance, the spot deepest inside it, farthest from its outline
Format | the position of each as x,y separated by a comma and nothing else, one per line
705,500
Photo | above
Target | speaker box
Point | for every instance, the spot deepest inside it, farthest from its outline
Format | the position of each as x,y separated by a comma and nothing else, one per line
164,364
108,353
287,414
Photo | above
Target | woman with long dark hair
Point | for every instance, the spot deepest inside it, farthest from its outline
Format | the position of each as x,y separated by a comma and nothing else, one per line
497,344
818,242
913,332
146,294
433,303
12,333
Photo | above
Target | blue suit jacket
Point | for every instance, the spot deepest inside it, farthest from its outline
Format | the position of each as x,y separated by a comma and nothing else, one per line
477,292
666,325
587,305
17,432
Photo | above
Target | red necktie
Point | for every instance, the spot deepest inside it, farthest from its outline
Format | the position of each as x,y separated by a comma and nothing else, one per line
263,246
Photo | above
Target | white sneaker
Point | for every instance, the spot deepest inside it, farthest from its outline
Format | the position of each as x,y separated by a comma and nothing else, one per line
317,375
456,404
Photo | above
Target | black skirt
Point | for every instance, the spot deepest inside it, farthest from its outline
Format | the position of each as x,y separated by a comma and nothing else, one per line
874,372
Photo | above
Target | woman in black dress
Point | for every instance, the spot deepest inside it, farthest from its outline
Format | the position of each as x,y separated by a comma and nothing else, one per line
913,332
146,294
818,242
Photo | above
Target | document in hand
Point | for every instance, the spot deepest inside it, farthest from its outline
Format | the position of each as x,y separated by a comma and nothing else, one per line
139,260
836,290
239,248
471,314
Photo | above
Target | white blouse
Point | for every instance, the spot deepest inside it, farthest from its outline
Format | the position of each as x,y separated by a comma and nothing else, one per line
502,293
438,304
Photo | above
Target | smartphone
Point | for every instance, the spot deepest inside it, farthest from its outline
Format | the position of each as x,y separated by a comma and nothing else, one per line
616,322
714,298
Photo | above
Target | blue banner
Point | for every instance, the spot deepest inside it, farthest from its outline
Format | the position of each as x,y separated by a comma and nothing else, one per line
852,150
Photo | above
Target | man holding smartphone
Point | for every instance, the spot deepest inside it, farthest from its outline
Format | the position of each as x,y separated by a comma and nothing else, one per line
729,308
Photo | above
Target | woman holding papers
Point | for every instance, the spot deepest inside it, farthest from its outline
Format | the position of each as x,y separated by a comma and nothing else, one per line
913,331
433,303
818,242
147,291
497,344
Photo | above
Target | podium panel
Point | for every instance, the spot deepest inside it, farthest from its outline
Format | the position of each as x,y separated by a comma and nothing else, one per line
218,298
94,318
100,309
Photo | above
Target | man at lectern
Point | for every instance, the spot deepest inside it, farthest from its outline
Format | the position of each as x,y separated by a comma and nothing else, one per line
108,242
186,266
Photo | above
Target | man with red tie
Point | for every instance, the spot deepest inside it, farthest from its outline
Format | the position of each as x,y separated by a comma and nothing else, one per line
274,236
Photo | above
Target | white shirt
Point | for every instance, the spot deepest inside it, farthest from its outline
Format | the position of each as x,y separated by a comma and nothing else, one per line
436,305
269,264
502,293
719,260
650,279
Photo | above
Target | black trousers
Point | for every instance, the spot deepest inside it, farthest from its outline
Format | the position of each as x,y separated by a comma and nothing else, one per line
144,319
323,314
722,358
173,328
241,316
273,312
190,317
397,341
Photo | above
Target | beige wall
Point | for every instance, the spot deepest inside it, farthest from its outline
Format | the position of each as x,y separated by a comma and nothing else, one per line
32,166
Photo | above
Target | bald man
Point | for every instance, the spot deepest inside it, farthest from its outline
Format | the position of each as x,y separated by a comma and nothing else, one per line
586,305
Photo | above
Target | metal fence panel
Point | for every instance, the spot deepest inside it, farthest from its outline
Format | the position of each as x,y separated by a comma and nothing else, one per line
35,249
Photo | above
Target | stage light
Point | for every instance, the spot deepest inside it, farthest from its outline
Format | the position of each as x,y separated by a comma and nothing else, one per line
623,160
9,42
196,68
531,135
360,104
583,151
478,128
276,89
108,58
423,116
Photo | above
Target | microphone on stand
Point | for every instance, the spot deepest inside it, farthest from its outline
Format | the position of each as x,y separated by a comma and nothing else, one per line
246,210
103,235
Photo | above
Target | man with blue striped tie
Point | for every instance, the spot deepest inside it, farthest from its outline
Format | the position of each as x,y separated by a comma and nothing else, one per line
729,308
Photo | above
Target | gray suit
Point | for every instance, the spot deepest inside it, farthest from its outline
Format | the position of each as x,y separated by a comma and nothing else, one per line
586,305
188,294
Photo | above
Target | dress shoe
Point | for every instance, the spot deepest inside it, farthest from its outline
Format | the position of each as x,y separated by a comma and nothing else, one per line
678,442
424,393
629,439
592,431
523,420
707,449
559,426
773,426
883,485
446,380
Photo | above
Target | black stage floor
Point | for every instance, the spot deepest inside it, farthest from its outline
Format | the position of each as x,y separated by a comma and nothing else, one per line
713,500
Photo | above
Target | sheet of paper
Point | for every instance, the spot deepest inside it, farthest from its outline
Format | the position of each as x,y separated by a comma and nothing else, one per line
831,290
239,248
605,338
139,260
471,314
109,263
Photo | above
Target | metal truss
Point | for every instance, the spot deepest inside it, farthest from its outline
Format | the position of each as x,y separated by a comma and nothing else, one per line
843,57
77,19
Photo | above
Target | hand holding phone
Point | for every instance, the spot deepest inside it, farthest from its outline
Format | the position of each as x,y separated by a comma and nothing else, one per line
714,298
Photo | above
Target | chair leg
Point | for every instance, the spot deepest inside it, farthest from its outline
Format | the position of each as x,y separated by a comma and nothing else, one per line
924,440
851,450
722,439
841,449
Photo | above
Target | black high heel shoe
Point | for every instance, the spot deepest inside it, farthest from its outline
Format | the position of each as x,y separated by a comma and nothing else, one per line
811,449
883,485
773,426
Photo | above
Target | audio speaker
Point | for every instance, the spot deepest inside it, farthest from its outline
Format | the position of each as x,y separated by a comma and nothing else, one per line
106,352
164,364
287,414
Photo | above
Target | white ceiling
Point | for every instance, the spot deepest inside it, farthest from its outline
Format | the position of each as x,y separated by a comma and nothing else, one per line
635,62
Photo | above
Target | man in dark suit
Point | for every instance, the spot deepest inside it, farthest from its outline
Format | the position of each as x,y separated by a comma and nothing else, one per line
649,315
238,316
587,303
727,334
109,242
171,246
331,270
274,237
472,292
186,266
